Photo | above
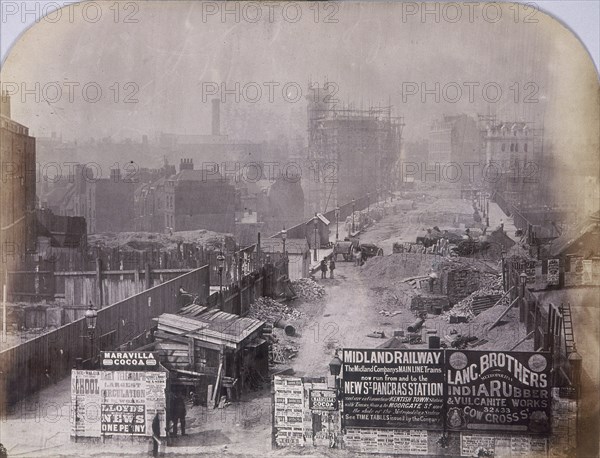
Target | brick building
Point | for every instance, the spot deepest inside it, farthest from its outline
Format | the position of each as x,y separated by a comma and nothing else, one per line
17,187
105,203
199,199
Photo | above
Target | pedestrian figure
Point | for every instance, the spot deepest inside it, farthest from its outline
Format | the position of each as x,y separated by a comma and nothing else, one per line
179,413
331,267
323,268
155,434
358,257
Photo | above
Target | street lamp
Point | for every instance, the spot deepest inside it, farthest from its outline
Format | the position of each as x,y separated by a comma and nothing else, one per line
283,237
221,264
91,316
335,366
316,225
337,221
368,202
353,207
523,282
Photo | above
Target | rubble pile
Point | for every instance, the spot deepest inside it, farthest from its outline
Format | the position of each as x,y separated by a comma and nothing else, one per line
308,289
270,311
464,309
280,351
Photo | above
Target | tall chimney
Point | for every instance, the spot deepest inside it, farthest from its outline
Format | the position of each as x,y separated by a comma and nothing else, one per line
216,117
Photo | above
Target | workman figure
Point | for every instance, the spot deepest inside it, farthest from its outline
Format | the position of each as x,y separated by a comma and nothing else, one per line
331,267
323,268
155,434
179,412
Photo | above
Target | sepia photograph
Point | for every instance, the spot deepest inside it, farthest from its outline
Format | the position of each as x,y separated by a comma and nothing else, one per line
279,229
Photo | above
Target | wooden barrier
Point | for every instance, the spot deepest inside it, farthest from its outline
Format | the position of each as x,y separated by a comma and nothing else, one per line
28,367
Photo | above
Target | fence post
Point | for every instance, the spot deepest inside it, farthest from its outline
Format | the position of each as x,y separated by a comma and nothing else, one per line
99,281
147,278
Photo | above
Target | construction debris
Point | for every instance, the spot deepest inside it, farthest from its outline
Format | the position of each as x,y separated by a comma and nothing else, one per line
377,335
477,302
308,289
266,309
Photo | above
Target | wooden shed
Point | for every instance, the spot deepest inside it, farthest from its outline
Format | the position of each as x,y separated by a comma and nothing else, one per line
213,353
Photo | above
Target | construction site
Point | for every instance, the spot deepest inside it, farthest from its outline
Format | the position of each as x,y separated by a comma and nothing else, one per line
351,151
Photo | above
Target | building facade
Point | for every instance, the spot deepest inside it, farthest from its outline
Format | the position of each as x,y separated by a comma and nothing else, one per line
17,188
199,199
514,161
350,152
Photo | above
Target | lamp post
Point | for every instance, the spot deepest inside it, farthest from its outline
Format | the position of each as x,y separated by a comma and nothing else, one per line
335,367
368,202
353,207
284,238
316,226
91,316
221,264
522,311
337,222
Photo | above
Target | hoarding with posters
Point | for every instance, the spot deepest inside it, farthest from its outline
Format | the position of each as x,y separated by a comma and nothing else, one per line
107,403
498,391
390,388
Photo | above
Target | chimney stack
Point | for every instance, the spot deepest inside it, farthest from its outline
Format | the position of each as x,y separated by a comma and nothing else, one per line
216,117
186,164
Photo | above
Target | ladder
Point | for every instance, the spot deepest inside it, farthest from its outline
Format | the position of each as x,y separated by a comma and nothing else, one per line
568,328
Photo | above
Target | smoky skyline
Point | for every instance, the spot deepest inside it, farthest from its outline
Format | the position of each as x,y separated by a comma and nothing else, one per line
159,74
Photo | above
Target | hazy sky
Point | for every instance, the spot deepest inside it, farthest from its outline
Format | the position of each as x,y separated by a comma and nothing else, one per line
374,53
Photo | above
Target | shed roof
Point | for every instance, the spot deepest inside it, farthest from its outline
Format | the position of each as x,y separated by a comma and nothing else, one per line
210,325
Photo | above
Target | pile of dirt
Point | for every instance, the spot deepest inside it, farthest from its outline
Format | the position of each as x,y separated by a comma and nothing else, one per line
308,289
270,311
396,267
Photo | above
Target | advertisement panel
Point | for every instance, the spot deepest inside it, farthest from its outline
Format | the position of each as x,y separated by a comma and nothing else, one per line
499,391
116,402
388,388
288,421
129,360
85,403
322,400
123,403
553,272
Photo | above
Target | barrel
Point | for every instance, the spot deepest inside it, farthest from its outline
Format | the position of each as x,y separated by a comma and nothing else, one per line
288,328
434,341
416,325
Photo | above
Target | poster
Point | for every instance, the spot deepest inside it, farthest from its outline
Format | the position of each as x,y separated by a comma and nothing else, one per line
116,402
386,388
129,360
552,277
85,403
498,391
322,400
512,446
289,400
123,397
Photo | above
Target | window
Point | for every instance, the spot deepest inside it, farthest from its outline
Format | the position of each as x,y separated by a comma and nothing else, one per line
512,147
517,147
525,147
503,147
